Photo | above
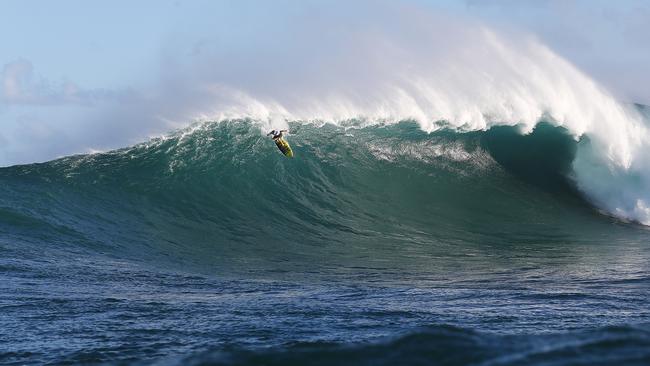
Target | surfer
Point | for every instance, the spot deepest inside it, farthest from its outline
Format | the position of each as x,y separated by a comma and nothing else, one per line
281,143
277,134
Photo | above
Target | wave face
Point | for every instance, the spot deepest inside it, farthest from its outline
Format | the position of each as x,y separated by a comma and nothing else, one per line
222,190
220,195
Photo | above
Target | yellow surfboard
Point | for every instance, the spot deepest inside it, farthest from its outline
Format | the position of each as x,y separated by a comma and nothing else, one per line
284,147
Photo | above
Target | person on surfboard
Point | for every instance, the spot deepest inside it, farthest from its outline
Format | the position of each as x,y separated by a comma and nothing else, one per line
281,143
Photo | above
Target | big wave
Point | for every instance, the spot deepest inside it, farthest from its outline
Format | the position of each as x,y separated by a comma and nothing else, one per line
400,64
220,195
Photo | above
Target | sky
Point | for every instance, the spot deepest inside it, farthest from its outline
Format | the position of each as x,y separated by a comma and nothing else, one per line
80,76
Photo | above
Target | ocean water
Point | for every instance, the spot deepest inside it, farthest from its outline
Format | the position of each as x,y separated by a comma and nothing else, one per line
377,245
